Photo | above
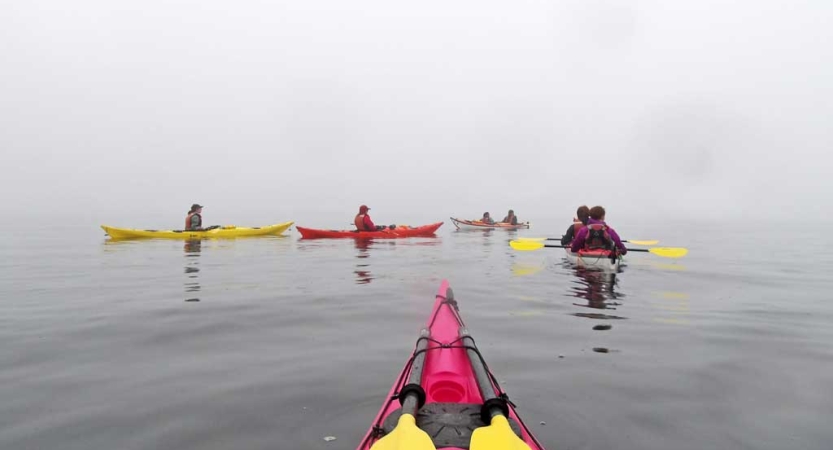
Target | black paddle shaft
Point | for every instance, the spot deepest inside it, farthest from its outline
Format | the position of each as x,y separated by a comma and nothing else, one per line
413,390
492,405
630,249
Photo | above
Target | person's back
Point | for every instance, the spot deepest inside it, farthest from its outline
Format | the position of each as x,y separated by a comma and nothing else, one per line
582,216
598,237
511,218
597,234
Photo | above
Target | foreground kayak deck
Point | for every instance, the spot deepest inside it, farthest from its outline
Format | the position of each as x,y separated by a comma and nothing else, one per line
463,224
227,232
453,405
425,230
594,259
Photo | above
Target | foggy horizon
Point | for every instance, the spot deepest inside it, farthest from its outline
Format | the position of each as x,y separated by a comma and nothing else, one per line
305,110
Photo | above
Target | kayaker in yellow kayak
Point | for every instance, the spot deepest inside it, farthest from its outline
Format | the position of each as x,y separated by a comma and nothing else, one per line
487,219
582,215
510,218
194,220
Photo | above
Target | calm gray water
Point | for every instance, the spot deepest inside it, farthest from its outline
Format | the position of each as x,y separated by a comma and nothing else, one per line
276,343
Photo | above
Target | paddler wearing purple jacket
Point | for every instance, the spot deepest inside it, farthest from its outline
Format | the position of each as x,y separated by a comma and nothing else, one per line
601,232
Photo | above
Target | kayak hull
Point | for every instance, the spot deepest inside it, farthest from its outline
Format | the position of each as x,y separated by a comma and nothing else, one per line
423,231
595,259
452,407
227,232
463,224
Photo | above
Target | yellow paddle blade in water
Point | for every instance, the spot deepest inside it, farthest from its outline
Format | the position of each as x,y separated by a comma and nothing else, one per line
669,252
406,436
643,242
522,270
497,436
526,246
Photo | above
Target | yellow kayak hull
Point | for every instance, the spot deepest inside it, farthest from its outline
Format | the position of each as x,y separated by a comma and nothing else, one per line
226,232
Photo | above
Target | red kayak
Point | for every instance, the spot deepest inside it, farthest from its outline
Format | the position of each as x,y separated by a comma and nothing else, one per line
398,232
445,397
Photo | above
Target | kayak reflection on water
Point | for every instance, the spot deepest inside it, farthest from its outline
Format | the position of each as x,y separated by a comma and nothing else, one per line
598,288
192,268
386,247
363,275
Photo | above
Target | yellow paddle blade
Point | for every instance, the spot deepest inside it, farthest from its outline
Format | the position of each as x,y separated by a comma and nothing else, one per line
522,270
643,242
526,246
406,436
497,436
532,239
669,252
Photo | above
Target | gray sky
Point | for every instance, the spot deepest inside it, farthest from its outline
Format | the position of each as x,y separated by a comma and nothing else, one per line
118,112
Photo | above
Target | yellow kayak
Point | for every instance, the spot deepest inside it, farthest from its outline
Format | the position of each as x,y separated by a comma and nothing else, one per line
224,232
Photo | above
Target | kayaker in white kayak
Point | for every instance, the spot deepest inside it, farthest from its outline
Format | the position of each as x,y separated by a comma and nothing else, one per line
510,218
582,215
487,219
597,234
194,220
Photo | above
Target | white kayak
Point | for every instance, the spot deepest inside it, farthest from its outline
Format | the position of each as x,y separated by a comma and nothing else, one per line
594,259
463,224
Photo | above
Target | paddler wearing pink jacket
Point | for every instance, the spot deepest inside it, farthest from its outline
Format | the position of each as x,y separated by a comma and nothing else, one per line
601,234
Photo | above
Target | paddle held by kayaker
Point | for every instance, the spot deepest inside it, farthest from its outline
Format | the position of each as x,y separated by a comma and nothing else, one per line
582,215
193,222
510,218
597,234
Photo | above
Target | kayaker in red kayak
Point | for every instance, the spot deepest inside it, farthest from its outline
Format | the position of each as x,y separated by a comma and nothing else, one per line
363,222
597,234
582,215
487,219
510,218
193,222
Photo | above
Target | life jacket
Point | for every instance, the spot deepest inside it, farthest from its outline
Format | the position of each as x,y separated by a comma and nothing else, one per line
359,223
577,225
597,237
188,220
